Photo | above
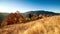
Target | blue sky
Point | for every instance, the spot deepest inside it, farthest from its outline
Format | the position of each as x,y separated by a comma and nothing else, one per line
29,5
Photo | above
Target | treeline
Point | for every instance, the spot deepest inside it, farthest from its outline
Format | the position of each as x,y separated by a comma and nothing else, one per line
17,18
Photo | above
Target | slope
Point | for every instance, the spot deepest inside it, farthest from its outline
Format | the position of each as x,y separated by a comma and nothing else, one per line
49,25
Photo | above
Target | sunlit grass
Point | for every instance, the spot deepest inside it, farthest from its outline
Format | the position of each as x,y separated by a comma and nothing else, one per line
49,25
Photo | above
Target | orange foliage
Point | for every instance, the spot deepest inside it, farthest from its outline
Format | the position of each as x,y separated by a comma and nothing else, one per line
12,18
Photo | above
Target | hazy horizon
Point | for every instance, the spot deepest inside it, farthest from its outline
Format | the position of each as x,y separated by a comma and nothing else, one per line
29,5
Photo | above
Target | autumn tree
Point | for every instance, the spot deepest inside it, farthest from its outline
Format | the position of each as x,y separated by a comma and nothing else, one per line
12,18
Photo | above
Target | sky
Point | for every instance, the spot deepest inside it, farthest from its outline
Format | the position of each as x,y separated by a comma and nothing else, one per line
29,5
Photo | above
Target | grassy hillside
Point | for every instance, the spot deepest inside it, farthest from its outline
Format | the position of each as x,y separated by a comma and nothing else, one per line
49,25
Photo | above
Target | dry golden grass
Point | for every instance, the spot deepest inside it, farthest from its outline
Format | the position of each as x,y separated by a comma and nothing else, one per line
49,25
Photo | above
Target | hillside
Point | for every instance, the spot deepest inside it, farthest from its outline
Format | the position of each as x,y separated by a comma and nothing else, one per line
49,25
37,13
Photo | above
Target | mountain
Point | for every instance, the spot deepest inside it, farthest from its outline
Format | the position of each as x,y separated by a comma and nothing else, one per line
40,12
